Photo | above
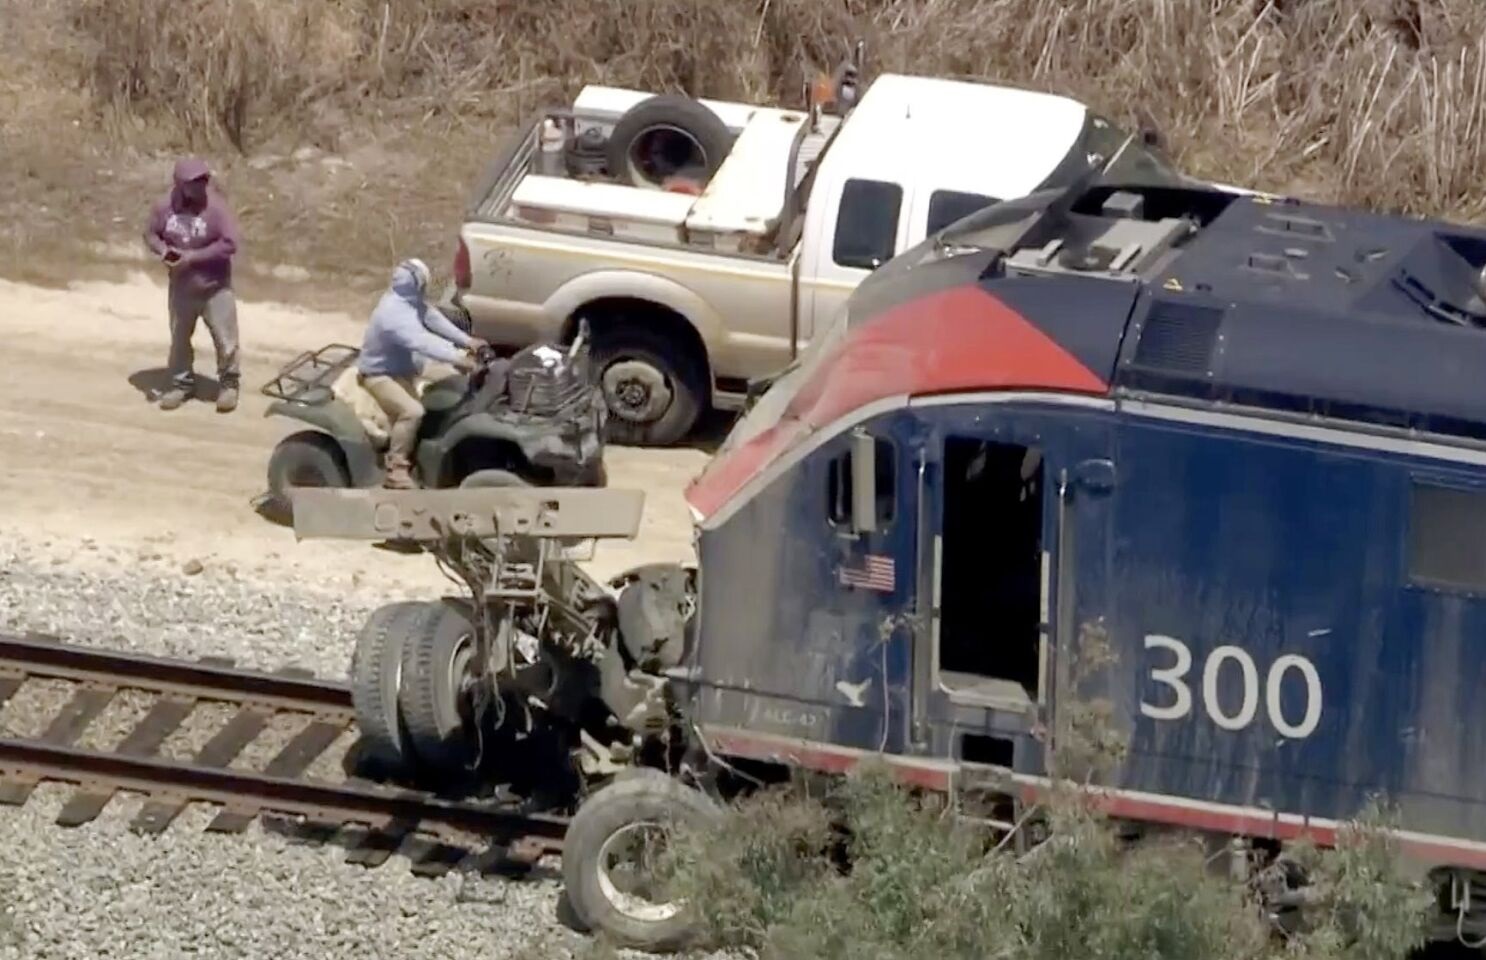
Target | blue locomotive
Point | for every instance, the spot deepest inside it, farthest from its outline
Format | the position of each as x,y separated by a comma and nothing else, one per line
1241,438
1238,441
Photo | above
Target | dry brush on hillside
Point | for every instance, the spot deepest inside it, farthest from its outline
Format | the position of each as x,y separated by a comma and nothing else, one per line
1375,102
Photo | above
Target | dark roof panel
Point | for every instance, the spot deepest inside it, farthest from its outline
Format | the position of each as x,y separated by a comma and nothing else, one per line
1287,305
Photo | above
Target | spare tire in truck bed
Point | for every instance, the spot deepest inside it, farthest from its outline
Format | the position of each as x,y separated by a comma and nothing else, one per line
664,136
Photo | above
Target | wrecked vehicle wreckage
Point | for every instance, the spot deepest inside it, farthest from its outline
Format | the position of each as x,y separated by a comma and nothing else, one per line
1239,438
533,634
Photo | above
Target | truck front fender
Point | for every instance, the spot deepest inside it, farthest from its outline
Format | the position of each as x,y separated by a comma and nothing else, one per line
637,285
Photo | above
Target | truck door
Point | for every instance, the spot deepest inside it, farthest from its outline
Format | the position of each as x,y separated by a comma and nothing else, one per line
859,226
1014,521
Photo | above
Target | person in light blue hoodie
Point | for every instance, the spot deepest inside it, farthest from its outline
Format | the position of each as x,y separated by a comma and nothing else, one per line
404,327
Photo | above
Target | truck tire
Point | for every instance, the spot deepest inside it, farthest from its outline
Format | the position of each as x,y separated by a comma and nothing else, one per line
653,387
376,678
308,458
436,666
644,798
665,135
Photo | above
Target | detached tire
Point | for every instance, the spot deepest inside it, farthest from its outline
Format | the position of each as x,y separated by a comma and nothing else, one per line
652,386
641,800
433,698
376,678
308,458
666,135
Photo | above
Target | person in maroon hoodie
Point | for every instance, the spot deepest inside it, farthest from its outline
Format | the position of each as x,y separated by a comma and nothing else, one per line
194,234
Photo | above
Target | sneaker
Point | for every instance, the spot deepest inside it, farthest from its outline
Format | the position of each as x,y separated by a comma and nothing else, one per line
227,400
173,398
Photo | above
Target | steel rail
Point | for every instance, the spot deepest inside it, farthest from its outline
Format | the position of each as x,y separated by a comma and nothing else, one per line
169,785
40,656
345,803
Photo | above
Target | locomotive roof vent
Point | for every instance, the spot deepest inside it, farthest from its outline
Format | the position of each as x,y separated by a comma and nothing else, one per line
1178,338
1296,227
1278,265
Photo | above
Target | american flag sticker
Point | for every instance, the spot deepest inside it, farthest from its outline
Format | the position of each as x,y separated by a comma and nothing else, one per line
875,573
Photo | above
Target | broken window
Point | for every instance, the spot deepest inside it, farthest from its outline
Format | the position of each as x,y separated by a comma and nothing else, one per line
990,626
838,485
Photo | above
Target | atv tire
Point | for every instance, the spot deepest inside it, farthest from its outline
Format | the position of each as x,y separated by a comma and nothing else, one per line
308,458
484,479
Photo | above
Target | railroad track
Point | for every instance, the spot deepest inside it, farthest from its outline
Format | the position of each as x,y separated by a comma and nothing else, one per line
371,820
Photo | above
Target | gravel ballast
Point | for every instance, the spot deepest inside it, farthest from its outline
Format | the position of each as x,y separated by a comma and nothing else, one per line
102,891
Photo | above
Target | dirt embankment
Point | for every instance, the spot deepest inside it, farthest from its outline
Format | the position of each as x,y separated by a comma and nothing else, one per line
86,457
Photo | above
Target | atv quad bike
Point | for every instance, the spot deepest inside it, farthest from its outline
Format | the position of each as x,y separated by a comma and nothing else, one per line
531,420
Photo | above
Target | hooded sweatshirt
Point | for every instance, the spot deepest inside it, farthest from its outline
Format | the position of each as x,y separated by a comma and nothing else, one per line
206,236
400,330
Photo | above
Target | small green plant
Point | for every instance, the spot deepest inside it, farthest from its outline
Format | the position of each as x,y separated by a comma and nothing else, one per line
867,868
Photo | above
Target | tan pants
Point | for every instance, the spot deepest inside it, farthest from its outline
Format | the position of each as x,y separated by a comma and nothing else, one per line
398,399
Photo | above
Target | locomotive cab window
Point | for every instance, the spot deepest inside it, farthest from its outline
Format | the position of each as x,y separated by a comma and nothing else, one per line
990,628
841,493
867,224
1447,537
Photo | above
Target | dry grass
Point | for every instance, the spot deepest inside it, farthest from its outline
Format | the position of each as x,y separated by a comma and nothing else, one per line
1365,101
1370,102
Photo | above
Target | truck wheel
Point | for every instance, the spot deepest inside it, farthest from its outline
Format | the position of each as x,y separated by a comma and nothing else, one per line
666,135
308,458
605,885
438,676
376,677
652,388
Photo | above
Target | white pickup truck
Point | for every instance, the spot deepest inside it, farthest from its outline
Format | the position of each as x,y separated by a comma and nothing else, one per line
705,242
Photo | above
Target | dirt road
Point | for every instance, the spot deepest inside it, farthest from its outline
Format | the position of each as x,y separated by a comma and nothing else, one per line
85,454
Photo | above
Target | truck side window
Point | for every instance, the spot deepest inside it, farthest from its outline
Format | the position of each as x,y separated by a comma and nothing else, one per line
1447,538
838,485
867,224
947,206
